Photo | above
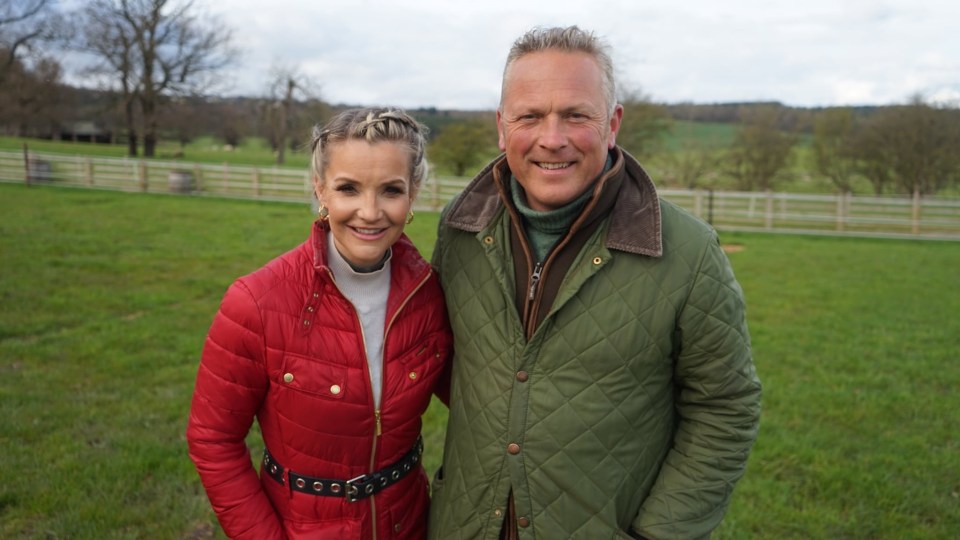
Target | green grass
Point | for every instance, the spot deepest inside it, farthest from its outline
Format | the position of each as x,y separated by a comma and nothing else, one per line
107,297
252,151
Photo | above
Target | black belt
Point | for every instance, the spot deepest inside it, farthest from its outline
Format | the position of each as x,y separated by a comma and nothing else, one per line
354,489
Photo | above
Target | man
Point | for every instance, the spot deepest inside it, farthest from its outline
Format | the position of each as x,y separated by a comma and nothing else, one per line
603,385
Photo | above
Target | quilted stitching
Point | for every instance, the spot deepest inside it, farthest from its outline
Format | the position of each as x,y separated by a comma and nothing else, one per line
602,382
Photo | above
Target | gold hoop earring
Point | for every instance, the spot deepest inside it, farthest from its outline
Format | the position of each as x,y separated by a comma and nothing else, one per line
409,218
323,213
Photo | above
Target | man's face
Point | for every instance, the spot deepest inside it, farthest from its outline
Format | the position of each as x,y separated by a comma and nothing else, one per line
554,125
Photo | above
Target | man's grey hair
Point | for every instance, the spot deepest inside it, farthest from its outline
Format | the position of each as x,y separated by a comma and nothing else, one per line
569,39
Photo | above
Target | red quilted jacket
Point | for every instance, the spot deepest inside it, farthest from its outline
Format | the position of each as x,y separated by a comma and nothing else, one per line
286,347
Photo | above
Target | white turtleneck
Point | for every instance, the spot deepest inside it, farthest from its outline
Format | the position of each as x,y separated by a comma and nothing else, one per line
368,292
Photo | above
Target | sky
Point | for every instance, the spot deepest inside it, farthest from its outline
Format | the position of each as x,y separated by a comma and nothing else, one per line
450,54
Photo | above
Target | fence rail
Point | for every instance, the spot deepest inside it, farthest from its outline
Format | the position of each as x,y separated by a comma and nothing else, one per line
845,215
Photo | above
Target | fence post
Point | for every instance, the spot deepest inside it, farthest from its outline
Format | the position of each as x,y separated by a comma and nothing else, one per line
88,171
198,180
226,177
434,192
142,171
768,213
698,202
26,165
710,206
915,213
841,210
256,182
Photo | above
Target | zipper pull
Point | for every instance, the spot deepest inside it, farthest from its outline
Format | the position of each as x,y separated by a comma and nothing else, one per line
378,430
534,279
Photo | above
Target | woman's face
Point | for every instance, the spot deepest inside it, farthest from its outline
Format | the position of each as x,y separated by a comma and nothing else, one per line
366,188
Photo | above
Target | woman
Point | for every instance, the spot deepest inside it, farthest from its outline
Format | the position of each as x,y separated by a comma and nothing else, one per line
335,348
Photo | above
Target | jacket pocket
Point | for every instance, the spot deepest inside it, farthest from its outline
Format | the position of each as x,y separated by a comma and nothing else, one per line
421,365
335,528
437,481
313,377
313,397
409,513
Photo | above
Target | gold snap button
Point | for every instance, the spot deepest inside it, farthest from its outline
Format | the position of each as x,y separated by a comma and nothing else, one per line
523,522
412,375
310,309
288,377
513,448
335,389
522,376
306,322
488,240
396,528
597,260
498,512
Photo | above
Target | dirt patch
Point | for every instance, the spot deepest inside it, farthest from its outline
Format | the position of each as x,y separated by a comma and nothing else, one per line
202,531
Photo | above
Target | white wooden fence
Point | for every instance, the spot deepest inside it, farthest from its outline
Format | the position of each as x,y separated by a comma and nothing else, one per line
849,215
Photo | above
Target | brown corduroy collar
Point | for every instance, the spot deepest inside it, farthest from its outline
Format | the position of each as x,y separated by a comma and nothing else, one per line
635,218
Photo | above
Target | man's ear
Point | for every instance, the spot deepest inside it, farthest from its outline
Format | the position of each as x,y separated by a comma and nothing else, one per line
615,121
501,143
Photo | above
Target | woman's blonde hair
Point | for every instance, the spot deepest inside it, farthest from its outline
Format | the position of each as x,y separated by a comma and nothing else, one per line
372,124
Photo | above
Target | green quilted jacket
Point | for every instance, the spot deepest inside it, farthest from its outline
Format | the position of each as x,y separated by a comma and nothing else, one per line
629,402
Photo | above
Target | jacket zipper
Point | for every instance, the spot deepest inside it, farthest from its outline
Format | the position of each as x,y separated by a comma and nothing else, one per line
534,279
376,412
378,426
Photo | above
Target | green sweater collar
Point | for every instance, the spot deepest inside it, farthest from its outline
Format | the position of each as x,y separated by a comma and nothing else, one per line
545,228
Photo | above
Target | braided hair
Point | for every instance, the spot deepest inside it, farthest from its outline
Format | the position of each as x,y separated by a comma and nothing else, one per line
372,124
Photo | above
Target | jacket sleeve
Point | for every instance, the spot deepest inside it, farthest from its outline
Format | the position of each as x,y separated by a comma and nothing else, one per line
442,389
231,384
718,408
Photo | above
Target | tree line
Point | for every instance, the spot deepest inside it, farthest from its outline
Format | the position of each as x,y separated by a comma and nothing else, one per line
150,64
913,148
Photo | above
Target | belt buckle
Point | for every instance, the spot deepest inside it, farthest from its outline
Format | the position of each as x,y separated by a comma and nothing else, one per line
353,486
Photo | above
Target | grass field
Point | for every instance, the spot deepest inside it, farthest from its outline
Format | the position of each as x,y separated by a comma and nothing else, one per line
252,151
107,296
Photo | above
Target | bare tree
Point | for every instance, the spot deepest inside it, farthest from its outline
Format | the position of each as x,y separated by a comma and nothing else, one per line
833,150
155,48
290,108
869,149
463,145
30,89
286,85
761,149
111,40
29,98
693,164
24,23
644,125
913,146
694,159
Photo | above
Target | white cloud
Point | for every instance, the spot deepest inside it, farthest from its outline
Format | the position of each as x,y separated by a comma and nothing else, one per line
450,54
